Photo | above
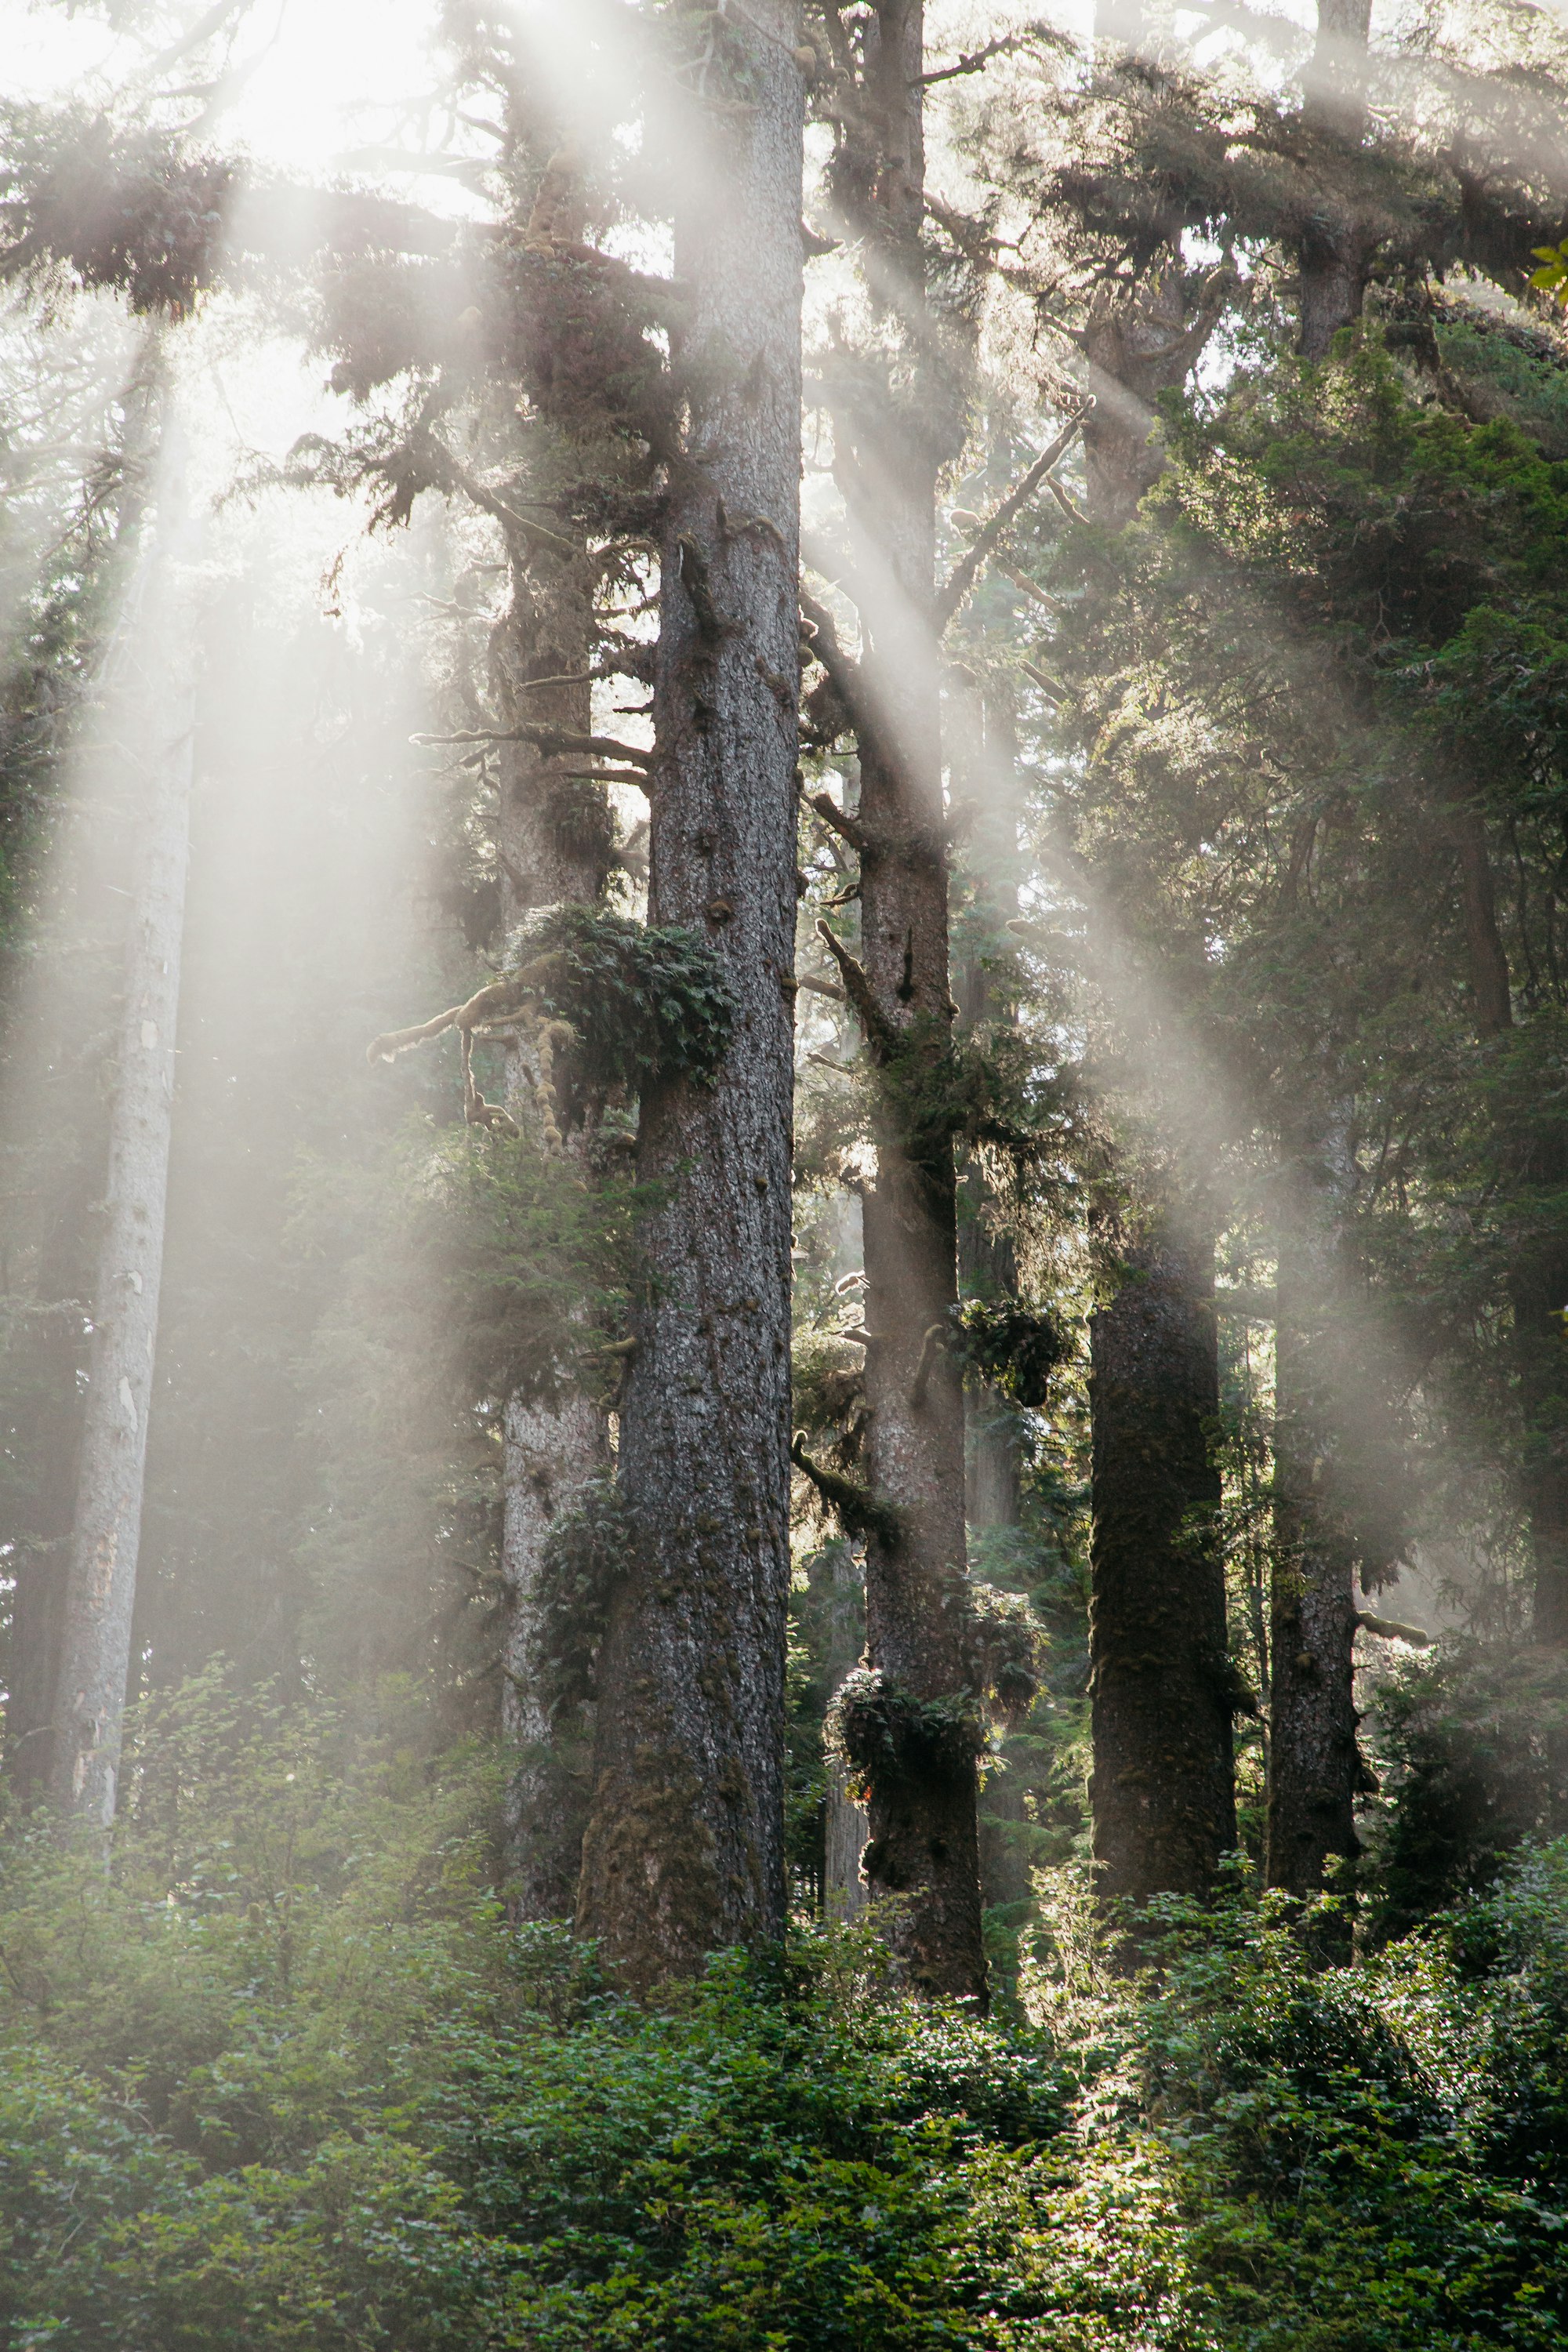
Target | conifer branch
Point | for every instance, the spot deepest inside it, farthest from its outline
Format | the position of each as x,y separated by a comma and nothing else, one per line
879,1032
843,825
967,570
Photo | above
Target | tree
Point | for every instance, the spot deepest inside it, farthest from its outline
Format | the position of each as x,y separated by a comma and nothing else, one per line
896,419
150,693
684,1847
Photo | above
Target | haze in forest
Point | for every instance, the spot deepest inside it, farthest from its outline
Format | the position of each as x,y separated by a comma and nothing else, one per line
783,1194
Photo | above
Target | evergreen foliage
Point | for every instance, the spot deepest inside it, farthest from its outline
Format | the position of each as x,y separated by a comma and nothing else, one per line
285,2078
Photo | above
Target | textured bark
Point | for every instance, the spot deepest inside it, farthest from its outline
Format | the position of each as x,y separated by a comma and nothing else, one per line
1538,1287
685,1845
1315,1771
1162,1790
1483,943
1335,255
554,837
49,1434
1162,1689
925,1836
846,1829
101,1588
987,1261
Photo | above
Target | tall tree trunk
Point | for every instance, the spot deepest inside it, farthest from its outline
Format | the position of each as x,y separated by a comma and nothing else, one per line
49,1432
1161,1794
1163,1790
554,835
101,1588
684,1851
924,1845
1538,1285
1315,1771
987,775
1335,253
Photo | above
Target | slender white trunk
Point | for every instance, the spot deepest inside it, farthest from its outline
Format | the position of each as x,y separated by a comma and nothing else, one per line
101,1592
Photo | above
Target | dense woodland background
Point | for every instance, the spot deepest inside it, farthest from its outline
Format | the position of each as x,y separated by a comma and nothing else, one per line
844,1612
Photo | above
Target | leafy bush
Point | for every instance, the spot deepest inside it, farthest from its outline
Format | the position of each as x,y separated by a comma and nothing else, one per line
286,2079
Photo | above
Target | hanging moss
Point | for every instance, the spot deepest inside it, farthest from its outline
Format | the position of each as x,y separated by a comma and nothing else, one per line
1011,1347
879,1732
644,1006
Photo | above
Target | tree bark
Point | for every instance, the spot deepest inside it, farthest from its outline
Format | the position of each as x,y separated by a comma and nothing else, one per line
1538,1288
846,1829
987,1260
101,1588
1315,1771
924,1845
553,838
1335,253
1163,1790
1162,1695
684,1851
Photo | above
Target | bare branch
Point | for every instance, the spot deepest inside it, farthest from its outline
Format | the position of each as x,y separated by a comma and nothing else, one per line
968,569
858,988
972,61
843,823
550,740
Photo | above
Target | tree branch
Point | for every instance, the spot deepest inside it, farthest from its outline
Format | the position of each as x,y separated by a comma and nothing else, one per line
967,571
843,825
879,1034
550,740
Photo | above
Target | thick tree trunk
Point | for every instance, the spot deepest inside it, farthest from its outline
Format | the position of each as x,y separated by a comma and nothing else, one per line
924,1835
1315,1771
101,1588
684,1851
554,837
1163,1792
1162,1690
987,1261
1335,254
1538,1288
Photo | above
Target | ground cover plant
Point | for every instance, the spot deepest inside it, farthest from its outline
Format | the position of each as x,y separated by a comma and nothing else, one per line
286,2075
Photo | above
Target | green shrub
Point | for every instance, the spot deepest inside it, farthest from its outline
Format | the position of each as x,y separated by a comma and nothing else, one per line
285,2079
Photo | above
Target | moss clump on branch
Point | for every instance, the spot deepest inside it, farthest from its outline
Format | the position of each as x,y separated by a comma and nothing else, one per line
604,1003
143,213
859,1511
880,1732
645,1005
1011,1347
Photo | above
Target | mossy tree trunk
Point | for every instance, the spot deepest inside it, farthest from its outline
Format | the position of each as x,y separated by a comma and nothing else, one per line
1335,252
1315,1770
888,449
684,1851
1162,1790
1162,1793
987,1258
554,834
1536,1151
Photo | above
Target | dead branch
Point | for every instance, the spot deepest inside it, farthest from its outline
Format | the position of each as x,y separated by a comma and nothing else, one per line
967,570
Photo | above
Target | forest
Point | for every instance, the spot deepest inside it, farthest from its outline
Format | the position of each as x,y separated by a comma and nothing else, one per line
784,1176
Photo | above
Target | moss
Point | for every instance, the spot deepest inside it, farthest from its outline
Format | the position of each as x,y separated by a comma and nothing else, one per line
881,1734
643,1005
1012,1347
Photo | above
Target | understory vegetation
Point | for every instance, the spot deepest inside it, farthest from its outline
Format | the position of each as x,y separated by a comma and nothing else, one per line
784,1179
287,2077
